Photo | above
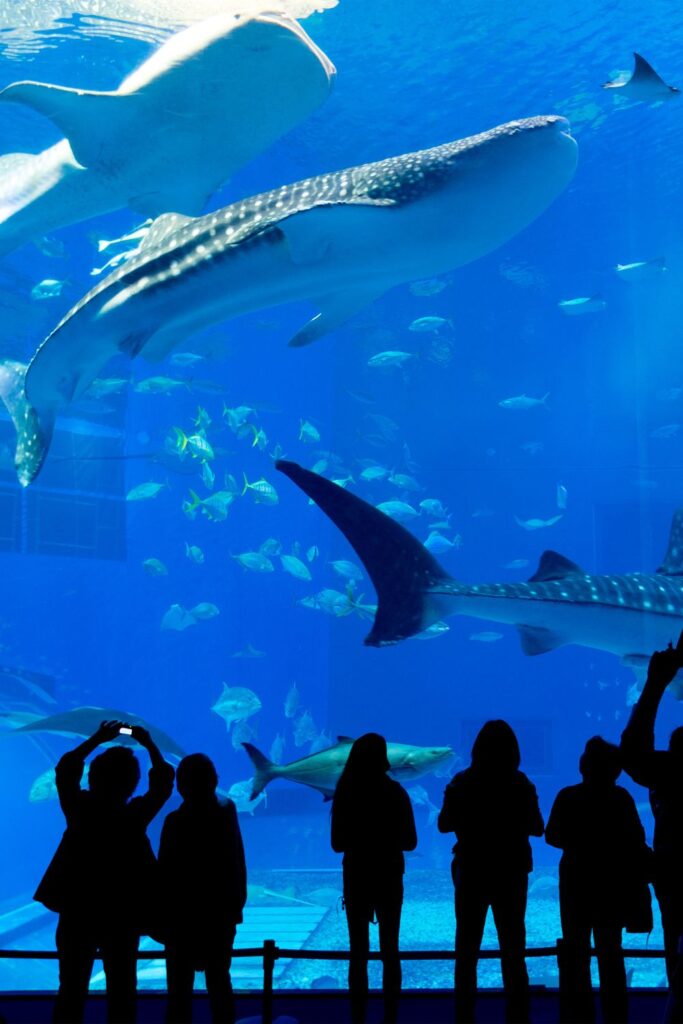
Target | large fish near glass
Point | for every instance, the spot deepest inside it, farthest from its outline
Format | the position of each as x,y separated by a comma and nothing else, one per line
209,100
628,615
339,240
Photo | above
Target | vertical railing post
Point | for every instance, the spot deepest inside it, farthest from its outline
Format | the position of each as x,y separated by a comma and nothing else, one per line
269,957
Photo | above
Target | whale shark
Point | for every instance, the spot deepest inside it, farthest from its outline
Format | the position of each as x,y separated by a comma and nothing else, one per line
321,771
629,615
644,83
340,240
209,100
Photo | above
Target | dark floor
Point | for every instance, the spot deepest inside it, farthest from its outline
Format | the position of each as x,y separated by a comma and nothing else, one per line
418,1007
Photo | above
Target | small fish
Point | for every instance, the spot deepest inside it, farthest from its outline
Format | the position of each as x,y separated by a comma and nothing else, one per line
520,402
186,359
143,492
202,420
237,417
292,701
312,553
646,270
333,602
208,476
262,492
254,561
438,544
154,567
249,652
562,495
194,553
433,507
537,524
271,546
308,433
160,386
405,482
195,445
532,447
347,570
204,611
51,247
419,796
277,748
103,386
240,794
48,289
430,323
243,732
666,432
586,304
304,729
429,286
178,619
295,567
517,563
387,360
487,636
215,507
372,473
236,704
323,741
398,510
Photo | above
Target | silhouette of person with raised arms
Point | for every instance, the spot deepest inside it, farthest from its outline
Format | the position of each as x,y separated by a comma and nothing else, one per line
492,808
102,878
661,771
603,883
204,889
372,825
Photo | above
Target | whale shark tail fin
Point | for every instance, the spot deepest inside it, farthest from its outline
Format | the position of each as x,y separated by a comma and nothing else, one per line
34,432
407,578
264,770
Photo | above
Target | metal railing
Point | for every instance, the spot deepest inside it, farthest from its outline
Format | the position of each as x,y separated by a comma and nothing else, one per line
270,953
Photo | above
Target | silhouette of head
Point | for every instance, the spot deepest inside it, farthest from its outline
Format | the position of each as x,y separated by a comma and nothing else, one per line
676,743
600,761
367,763
495,749
114,774
196,778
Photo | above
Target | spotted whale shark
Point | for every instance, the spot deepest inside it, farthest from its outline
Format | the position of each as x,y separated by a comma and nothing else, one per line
339,240
628,615
210,99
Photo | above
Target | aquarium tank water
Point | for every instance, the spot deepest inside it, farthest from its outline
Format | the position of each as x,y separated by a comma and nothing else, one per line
496,364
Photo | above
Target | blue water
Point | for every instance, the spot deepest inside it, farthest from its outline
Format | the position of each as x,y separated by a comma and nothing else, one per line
76,604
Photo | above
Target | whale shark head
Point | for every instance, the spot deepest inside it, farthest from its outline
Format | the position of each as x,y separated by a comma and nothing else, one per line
502,179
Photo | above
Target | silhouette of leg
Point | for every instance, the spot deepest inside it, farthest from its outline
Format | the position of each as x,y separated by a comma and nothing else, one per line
76,947
218,983
389,922
576,994
358,920
471,905
179,984
613,988
670,901
509,909
119,960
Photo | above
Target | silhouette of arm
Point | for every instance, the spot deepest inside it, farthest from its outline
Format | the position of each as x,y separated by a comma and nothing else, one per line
406,819
69,770
339,835
534,818
238,860
450,815
161,777
642,762
556,831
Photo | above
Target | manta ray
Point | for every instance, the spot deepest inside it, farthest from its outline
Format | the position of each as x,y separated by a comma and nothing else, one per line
629,615
208,101
644,83
339,240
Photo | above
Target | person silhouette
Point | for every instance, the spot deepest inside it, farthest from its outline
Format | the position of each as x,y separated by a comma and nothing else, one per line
603,870
204,888
102,877
661,771
372,825
492,808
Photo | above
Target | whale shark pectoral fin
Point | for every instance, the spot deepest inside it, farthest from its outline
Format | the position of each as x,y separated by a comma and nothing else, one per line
34,431
335,310
86,118
411,585
537,640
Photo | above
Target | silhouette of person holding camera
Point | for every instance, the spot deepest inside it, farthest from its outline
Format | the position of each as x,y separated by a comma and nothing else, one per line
492,808
603,883
102,877
204,889
372,825
661,771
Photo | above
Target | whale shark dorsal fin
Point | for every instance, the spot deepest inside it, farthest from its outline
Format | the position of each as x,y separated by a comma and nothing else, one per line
537,640
162,228
86,118
553,566
335,310
673,560
408,579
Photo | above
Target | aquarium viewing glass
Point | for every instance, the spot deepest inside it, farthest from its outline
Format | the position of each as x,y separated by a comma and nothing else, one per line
529,399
